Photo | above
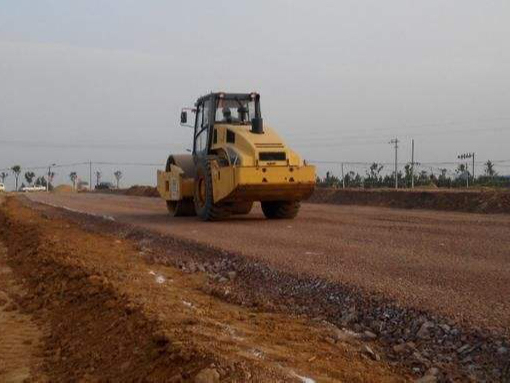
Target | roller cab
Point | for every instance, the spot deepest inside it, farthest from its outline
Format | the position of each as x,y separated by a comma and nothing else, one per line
236,160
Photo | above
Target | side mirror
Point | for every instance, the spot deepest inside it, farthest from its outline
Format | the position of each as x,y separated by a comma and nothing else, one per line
184,117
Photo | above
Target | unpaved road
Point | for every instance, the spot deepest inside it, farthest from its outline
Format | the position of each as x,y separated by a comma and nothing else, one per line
455,264
88,307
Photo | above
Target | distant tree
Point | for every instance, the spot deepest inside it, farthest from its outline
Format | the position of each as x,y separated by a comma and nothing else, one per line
424,178
3,176
373,178
462,177
389,180
16,170
353,180
331,180
408,175
462,171
40,181
489,169
118,176
442,179
51,176
73,176
29,176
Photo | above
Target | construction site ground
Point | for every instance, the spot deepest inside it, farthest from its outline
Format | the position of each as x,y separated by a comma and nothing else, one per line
475,200
110,287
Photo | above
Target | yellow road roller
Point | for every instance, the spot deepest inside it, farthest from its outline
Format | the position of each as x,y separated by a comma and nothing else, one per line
236,161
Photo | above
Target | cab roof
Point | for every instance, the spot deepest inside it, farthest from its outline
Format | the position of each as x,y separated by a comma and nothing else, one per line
228,96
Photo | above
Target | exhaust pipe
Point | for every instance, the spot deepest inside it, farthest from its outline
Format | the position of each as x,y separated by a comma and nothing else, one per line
257,125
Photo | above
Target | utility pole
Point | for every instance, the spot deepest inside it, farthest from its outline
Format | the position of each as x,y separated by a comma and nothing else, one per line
98,177
465,156
473,168
467,175
395,141
90,175
412,164
343,178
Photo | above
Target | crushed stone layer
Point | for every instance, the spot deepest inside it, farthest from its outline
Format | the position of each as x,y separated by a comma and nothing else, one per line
455,264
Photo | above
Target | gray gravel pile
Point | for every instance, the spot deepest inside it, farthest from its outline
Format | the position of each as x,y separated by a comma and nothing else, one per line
409,337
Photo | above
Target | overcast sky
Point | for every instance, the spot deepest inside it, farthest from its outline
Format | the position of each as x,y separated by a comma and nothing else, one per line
105,80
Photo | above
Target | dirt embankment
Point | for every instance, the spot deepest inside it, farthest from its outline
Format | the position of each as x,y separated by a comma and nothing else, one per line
110,314
20,336
490,201
475,201
136,190
142,191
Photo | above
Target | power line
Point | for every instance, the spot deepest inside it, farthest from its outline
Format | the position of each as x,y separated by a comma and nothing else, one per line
125,163
321,142
400,163
340,140
442,125
71,165
62,145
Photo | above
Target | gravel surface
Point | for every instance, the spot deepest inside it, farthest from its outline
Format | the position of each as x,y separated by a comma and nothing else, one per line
455,264
109,315
432,344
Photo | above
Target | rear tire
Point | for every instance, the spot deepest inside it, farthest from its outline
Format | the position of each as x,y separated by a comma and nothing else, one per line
203,199
280,209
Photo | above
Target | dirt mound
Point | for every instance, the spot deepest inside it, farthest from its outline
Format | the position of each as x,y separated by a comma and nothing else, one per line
485,201
142,191
63,189
136,190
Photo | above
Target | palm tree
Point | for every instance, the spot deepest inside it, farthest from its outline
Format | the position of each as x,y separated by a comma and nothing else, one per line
16,169
118,176
3,176
462,170
73,176
489,169
51,175
29,176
